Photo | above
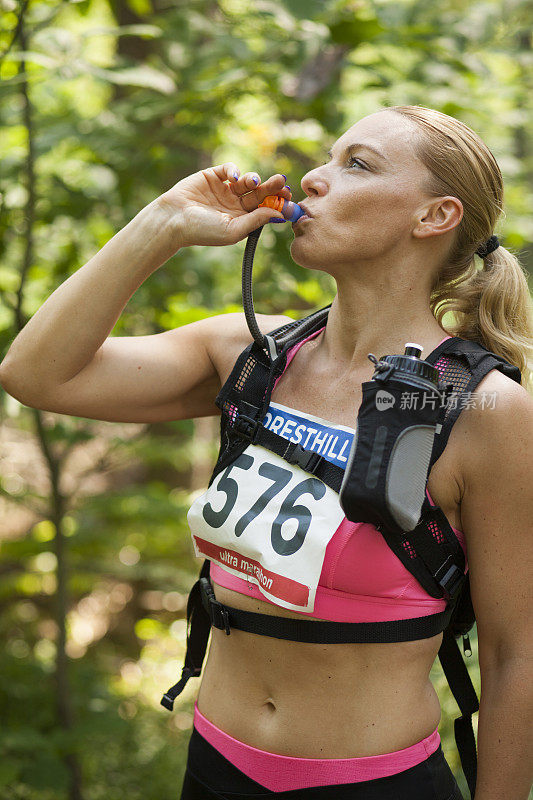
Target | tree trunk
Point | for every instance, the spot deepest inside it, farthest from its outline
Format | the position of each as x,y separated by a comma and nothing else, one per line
63,697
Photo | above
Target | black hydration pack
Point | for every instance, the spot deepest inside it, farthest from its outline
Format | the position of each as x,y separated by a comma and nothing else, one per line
430,552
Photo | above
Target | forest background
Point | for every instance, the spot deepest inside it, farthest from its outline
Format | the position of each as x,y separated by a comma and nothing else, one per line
105,104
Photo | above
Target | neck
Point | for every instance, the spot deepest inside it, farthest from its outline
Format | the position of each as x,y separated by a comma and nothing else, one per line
379,320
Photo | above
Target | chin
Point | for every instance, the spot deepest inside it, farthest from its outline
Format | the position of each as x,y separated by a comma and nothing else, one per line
310,262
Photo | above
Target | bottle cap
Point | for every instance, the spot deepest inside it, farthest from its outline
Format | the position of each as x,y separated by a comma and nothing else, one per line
413,349
411,366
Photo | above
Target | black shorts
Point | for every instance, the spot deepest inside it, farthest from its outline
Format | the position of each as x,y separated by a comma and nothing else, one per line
210,776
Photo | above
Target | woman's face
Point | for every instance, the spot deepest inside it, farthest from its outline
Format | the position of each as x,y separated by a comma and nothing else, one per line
364,204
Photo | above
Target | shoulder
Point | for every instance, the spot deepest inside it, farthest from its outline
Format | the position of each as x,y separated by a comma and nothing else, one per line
232,329
227,335
496,507
497,425
496,450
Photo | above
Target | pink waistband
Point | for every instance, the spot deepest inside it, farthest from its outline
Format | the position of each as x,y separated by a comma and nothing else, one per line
284,773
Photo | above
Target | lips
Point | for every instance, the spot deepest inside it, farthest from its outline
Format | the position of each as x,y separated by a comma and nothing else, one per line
305,215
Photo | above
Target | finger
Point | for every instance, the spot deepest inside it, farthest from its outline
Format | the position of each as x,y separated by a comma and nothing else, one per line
246,183
274,185
241,226
226,172
230,172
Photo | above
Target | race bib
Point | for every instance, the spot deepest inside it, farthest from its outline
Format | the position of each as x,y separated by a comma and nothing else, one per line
269,521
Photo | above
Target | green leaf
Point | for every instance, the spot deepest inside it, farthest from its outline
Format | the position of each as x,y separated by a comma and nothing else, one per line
355,31
304,9
140,7
9,771
144,76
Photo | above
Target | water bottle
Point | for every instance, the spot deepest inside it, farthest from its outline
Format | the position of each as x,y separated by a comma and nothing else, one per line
402,410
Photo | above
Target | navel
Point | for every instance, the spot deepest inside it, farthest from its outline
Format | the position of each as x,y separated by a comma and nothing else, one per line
270,705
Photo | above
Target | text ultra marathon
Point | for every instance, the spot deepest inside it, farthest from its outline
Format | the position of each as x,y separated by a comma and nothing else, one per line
246,566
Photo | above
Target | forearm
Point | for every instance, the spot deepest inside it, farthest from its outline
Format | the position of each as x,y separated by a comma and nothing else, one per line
505,747
64,335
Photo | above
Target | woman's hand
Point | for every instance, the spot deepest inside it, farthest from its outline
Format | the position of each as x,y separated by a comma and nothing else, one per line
209,211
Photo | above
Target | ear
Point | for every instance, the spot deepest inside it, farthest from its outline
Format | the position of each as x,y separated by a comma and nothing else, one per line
441,215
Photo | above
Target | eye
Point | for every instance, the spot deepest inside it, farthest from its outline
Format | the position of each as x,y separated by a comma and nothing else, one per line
352,160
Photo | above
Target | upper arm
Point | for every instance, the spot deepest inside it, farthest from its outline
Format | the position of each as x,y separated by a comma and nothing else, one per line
497,516
165,376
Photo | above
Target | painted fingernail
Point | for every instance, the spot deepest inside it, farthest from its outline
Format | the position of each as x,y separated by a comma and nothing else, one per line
276,219
236,176
287,186
281,173
255,180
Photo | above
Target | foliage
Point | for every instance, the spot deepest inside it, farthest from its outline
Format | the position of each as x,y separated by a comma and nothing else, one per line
105,104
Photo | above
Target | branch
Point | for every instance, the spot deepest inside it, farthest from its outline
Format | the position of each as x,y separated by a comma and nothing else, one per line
29,211
24,501
62,695
319,72
43,24
18,29
100,465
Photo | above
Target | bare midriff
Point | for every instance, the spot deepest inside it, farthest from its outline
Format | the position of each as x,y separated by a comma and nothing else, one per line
317,700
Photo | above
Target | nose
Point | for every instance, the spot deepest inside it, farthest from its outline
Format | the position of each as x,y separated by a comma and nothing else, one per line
314,185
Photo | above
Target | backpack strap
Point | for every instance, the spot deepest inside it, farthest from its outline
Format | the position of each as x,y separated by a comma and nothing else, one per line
204,611
292,333
256,433
246,393
464,364
198,629
431,552
458,677
251,379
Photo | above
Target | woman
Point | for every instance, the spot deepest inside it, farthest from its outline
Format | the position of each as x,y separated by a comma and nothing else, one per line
396,221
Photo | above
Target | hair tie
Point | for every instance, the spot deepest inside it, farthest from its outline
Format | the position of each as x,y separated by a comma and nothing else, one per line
490,245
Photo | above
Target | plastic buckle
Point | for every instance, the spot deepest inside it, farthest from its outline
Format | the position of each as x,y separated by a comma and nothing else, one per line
167,702
245,427
452,578
306,459
218,614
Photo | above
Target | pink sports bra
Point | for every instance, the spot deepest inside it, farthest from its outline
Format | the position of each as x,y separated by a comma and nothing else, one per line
362,580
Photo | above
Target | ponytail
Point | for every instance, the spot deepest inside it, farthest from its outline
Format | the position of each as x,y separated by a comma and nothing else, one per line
491,305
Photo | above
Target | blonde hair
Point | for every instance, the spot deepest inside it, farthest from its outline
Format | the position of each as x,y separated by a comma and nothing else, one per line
491,305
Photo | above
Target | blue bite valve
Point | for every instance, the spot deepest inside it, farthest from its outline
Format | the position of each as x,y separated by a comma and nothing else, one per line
290,210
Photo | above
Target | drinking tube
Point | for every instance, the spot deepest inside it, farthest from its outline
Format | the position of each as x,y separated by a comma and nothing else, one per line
292,212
